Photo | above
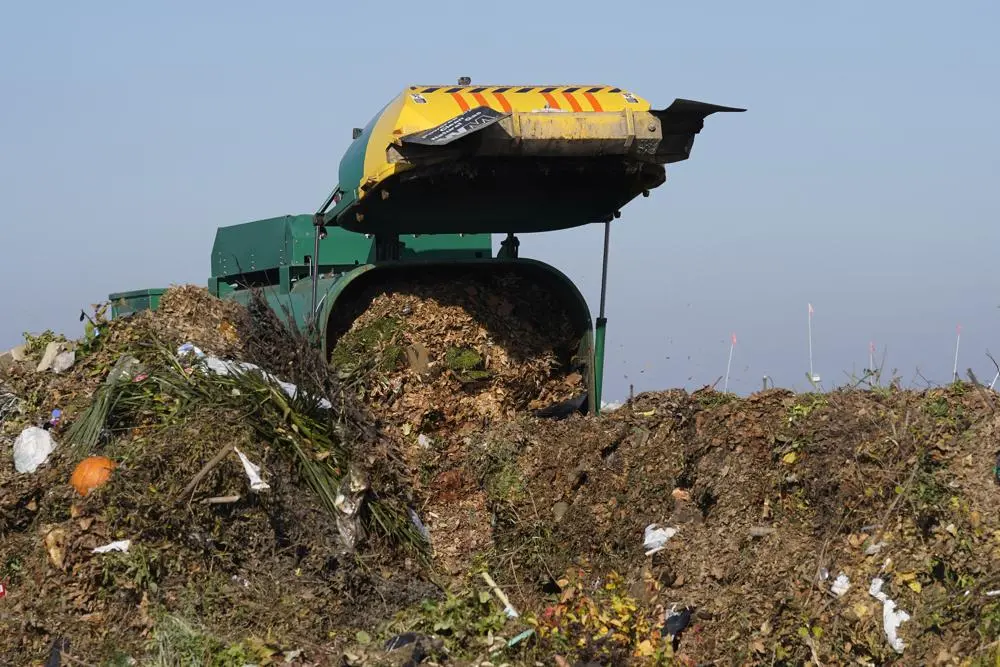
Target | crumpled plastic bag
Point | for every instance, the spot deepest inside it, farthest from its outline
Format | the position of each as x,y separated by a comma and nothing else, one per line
655,537
892,617
63,361
253,472
227,367
32,449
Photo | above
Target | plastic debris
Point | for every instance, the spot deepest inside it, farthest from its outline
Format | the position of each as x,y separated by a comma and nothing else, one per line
52,350
348,503
63,361
891,618
119,545
507,606
189,348
54,418
656,537
32,449
677,621
419,524
3,591
228,367
840,585
873,549
517,639
253,472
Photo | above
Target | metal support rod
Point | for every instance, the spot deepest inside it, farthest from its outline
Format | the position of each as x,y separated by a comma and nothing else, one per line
604,268
601,327
314,266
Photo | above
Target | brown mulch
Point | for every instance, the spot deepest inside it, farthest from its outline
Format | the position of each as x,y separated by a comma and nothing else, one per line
773,496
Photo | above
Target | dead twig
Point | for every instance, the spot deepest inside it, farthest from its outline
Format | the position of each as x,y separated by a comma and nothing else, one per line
221,500
207,468
997,365
892,506
75,661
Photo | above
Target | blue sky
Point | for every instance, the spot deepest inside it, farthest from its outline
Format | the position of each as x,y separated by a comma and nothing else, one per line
862,178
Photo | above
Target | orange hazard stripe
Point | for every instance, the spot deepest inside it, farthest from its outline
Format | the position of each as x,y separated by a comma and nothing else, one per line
551,101
572,102
503,102
480,100
593,101
463,105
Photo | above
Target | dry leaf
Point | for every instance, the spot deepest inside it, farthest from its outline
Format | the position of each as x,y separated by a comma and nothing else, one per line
55,544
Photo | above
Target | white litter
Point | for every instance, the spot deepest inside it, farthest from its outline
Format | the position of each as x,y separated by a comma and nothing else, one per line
656,537
891,618
120,545
63,361
873,549
423,441
228,367
253,472
52,350
840,585
991,594
32,449
189,348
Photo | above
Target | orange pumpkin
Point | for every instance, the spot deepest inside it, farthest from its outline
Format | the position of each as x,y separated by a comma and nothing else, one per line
91,473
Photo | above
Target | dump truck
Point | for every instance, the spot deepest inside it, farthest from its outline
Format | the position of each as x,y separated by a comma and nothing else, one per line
428,182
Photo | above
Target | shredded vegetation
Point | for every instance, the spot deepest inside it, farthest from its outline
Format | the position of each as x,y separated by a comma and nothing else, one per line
411,511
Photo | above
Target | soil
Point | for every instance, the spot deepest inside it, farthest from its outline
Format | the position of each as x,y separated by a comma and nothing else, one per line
772,498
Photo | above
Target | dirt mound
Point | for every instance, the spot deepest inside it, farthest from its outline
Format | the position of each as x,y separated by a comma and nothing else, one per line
770,504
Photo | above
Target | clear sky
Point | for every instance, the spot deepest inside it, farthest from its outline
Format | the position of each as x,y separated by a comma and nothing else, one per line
862,178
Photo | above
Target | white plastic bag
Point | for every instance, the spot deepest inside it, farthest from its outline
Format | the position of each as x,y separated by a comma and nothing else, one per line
656,537
253,472
32,449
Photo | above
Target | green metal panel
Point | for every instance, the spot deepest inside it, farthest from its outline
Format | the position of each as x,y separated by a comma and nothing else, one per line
446,246
134,301
278,251
352,168
249,249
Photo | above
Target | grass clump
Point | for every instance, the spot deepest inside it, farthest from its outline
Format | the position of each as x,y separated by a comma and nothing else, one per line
466,363
376,345
176,642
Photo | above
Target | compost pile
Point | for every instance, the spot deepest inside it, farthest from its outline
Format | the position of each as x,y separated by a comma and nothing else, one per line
449,356
246,521
435,361
853,526
227,510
